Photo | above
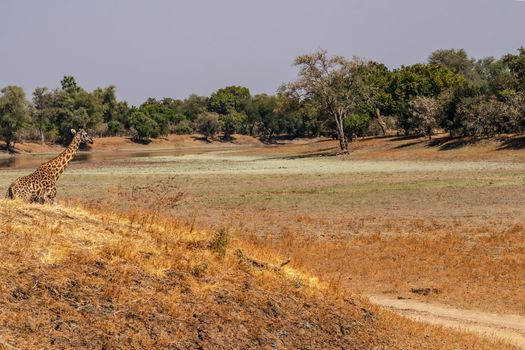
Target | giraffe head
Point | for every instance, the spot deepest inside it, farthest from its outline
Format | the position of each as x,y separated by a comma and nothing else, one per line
82,135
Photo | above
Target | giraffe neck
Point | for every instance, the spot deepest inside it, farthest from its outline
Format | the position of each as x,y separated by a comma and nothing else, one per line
58,164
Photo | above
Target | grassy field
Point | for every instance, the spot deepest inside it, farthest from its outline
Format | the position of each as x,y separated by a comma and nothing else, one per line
405,219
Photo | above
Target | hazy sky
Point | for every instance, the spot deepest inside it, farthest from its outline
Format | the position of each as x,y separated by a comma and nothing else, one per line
173,48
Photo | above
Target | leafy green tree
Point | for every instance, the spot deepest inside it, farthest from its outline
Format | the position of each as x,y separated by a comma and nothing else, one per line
75,109
115,114
336,84
42,111
455,60
184,127
516,64
231,122
173,104
162,114
108,99
427,80
69,83
377,78
263,114
194,106
495,77
208,124
229,99
356,125
143,127
306,114
14,113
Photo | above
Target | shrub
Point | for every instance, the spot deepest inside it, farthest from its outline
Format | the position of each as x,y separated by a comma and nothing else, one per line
220,241
356,125
144,127
423,114
183,128
231,122
208,124
486,117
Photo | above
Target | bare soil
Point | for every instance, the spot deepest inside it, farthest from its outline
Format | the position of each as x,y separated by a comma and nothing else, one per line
503,326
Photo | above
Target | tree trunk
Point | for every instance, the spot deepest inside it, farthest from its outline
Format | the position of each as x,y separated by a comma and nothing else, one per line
42,140
343,143
381,122
343,140
8,144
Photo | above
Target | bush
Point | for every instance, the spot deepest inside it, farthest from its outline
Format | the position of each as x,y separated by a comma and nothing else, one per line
231,122
356,125
486,117
220,241
423,114
208,124
114,127
144,127
183,128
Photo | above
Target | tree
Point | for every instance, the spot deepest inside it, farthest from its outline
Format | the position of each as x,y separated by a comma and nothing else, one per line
75,109
161,113
356,125
194,106
483,116
516,64
229,99
231,122
143,126
423,113
336,84
69,83
263,114
208,124
428,80
42,111
14,113
455,60
495,77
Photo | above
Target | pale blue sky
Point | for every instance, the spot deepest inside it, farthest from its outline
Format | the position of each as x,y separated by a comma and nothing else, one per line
161,48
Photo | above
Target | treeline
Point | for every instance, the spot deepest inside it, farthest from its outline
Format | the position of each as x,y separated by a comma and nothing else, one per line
332,96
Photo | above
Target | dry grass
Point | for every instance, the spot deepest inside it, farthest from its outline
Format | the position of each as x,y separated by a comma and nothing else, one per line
93,278
481,268
333,215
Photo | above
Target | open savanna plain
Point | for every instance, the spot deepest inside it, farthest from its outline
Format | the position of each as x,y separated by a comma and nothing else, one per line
397,219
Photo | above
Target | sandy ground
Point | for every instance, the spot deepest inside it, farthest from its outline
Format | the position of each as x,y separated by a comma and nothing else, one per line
505,326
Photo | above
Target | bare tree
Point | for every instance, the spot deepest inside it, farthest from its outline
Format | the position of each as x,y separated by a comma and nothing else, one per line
336,84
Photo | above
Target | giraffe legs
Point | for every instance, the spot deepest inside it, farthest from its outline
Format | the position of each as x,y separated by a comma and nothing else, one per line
49,196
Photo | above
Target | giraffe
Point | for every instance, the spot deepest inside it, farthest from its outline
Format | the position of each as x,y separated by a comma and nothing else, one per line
40,186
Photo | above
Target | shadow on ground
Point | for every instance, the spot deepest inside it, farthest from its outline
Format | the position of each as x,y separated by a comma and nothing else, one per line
515,143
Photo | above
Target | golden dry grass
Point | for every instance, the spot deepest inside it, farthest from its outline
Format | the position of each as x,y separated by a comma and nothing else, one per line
77,277
481,268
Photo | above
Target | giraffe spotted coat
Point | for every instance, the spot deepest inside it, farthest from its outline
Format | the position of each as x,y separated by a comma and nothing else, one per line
40,186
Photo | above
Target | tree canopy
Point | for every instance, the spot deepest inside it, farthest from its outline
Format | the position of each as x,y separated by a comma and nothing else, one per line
331,96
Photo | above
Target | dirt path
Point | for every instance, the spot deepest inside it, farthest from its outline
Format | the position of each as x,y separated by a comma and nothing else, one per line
507,327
